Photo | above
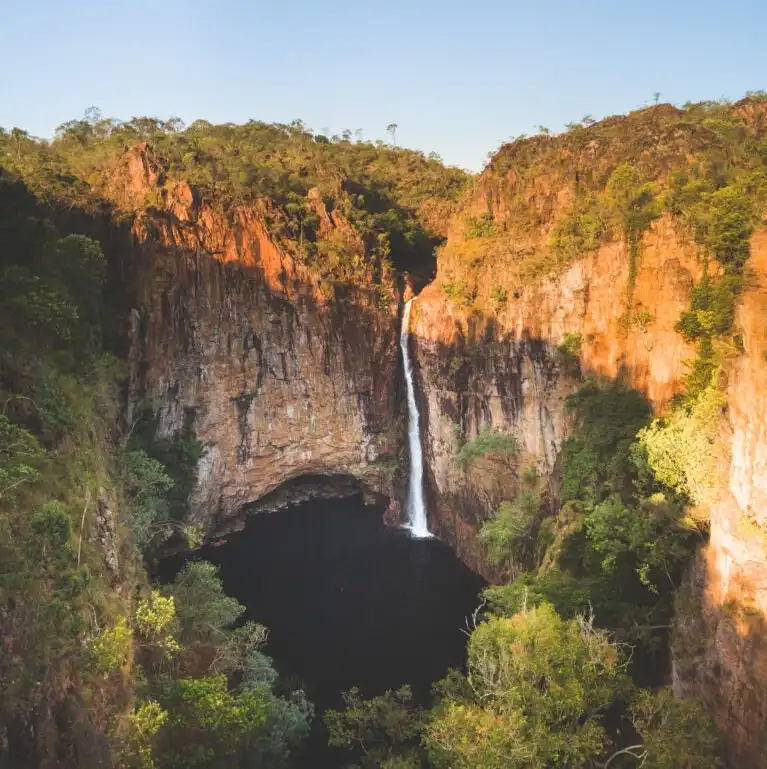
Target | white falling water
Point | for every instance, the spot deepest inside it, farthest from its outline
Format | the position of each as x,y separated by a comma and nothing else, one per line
416,510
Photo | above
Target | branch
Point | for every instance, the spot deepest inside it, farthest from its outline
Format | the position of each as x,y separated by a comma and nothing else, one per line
82,524
471,624
630,750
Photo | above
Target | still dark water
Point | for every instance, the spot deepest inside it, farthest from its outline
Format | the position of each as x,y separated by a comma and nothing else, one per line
349,601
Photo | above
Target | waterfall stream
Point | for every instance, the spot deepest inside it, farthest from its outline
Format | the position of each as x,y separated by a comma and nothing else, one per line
416,510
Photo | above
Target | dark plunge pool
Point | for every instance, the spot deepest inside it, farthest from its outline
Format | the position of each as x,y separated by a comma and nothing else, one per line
349,601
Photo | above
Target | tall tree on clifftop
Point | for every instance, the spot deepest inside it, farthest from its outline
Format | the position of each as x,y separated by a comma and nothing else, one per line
392,129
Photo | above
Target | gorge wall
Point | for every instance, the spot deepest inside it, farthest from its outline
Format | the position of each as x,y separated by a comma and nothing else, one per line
505,371
234,339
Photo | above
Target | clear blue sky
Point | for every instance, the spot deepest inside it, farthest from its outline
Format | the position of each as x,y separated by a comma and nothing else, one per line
458,76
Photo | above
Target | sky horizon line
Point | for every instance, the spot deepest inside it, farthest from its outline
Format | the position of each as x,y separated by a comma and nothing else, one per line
459,78
330,133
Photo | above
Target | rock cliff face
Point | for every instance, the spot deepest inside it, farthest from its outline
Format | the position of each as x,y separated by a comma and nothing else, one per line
233,338
505,371
721,638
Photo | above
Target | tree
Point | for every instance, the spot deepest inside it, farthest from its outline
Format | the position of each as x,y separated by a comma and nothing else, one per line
510,531
675,734
596,458
287,723
655,532
207,724
146,485
392,129
203,609
683,448
383,731
20,457
537,695
538,687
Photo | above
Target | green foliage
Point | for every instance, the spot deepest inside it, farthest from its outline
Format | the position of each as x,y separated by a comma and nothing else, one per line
571,344
509,534
583,230
538,687
204,611
398,201
499,296
207,724
569,352
730,227
231,711
634,206
287,723
155,619
656,532
480,226
631,200
712,308
596,458
563,197
110,649
487,443
20,457
460,292
383,731
47,592
146,485
58,404
569,595
722,222
194,535
682,448
170,465
623,535
140,733
51,295
676,734
547,692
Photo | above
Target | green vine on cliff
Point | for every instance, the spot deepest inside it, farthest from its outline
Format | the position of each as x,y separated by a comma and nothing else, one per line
721,222
682,449
627,205
634,206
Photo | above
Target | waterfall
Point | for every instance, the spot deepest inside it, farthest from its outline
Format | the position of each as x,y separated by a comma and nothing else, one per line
416,510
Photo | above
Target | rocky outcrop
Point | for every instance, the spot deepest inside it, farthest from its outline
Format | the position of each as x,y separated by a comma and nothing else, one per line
233,338
505,371
721,636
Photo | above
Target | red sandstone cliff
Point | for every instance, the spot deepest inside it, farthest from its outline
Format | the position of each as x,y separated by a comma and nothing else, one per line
235,338
483,365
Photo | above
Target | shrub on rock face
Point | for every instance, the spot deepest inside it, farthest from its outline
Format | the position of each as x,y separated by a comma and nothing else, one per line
510,531
488,442
682,448
204,610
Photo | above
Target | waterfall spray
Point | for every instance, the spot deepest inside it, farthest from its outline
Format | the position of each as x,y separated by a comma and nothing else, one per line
416,509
